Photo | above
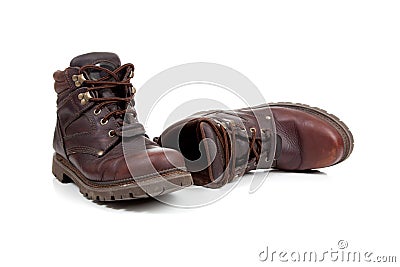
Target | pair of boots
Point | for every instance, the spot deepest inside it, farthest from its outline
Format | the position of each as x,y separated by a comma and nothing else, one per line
101,147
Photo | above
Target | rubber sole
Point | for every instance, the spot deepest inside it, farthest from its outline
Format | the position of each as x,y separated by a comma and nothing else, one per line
150,186
342,128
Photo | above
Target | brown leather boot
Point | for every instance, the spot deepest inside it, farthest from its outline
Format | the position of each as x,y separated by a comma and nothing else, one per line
99,144
284,136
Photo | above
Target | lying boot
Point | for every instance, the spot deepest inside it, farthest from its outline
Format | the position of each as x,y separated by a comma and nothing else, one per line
285,136
99,144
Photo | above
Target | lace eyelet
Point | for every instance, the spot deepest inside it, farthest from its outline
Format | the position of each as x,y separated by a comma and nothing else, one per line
111,133
84,97
78,79
103,122
253,130
96,111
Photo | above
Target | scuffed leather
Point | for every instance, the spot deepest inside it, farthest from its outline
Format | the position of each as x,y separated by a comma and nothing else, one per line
308,141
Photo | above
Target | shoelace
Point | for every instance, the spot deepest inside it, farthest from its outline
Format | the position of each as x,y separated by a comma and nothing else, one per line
105,83
254,143
255,146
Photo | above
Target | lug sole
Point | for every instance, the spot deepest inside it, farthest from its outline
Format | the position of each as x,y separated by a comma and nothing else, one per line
173,180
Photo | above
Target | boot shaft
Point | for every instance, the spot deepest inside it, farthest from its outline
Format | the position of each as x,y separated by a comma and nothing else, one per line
220,145
83,124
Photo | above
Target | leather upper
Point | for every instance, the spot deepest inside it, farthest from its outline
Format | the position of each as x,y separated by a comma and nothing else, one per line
227,132
289,138
83,138
308,140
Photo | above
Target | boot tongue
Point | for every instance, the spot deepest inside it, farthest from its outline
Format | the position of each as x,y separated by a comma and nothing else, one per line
106,60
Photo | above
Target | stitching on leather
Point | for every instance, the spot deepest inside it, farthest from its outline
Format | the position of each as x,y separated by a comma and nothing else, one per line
66,73
78,111
92,122
68,137
82,150
166,172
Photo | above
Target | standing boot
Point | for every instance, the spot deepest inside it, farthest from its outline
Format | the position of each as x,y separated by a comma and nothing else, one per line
99,144
220,145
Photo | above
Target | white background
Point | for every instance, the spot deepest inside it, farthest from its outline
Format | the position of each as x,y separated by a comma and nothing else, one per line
342,56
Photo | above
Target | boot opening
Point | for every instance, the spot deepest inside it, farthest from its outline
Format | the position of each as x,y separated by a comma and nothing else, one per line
203,151
189,141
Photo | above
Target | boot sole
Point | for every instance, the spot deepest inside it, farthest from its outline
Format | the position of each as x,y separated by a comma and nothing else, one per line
150,186
342,128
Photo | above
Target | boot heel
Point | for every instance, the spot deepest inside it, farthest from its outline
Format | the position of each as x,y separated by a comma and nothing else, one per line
58,172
